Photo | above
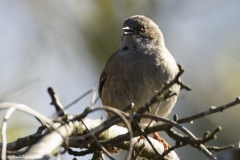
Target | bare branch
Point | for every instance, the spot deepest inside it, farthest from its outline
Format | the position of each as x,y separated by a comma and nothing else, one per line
4,129
161,95
97,135
78,99
28,110
212,110
98,144
120,114
181,128
56,102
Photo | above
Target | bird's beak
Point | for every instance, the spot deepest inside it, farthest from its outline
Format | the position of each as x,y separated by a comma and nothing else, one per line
128,30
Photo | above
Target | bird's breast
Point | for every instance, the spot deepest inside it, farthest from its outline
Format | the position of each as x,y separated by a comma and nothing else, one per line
134,78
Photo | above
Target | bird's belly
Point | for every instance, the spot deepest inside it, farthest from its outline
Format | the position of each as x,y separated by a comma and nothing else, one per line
131,89
138,89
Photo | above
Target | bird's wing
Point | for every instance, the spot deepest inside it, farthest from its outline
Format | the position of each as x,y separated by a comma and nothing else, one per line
103,76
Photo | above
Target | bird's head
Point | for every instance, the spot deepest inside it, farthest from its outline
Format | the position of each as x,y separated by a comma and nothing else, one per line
139,26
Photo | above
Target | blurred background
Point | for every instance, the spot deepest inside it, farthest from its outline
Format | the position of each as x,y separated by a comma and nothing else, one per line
45,43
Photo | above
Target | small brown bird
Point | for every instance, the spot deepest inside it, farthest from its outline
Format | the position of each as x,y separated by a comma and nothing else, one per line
141,65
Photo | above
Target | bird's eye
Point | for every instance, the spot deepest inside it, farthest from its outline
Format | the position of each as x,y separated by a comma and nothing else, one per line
142,29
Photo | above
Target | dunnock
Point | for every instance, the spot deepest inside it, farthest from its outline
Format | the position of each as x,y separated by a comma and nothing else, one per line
141,65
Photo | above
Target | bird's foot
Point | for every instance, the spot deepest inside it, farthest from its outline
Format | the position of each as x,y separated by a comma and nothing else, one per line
160,139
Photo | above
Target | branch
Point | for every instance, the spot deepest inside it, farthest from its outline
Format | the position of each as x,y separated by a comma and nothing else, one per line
56,102
118,136
4,129
53,140
181,128
159,95
97,135
212,110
